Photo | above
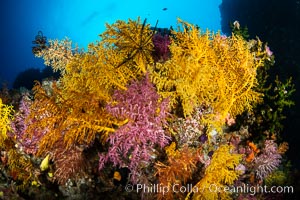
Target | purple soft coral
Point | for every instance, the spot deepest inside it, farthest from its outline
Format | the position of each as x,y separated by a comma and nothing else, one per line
133,144
20,124
268,161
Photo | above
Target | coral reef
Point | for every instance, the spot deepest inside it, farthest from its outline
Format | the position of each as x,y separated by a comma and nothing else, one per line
146,115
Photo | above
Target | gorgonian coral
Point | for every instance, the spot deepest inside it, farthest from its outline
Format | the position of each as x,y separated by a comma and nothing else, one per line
268,161
133,144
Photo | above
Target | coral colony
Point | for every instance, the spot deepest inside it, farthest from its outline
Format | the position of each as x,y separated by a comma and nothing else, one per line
151,115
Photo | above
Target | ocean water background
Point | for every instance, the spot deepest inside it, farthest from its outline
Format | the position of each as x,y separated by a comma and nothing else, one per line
83,21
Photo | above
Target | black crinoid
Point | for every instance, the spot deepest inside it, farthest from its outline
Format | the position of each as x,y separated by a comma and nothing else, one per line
40,42
133,42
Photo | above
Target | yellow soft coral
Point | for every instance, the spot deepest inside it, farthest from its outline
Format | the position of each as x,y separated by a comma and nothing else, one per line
76,120
5,117
73,108
220,173
20,168
209,69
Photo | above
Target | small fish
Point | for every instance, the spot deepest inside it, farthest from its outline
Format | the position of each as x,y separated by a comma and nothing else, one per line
117,176
164,9
120,176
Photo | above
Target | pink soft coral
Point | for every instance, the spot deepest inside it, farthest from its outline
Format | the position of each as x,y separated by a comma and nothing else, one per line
133,144
268,161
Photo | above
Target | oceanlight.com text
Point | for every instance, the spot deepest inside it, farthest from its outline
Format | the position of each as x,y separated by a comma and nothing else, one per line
177,188
252,190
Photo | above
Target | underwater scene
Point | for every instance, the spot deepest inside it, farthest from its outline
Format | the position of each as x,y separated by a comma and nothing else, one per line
148,112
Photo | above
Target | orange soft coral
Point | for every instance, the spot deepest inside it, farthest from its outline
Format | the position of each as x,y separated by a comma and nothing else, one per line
179,169
254,150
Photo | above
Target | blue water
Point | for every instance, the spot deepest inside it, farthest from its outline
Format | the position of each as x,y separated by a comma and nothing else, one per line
83,21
